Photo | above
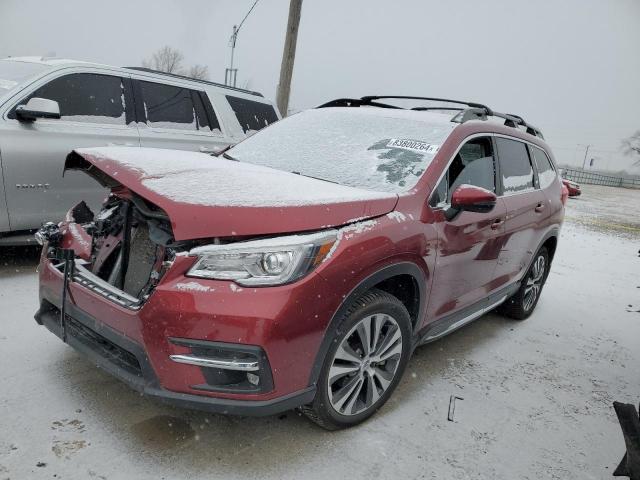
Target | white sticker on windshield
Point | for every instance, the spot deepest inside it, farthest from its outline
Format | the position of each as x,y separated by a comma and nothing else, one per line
415,145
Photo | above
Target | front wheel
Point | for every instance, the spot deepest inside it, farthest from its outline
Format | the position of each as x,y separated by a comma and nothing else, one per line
367,358
521,305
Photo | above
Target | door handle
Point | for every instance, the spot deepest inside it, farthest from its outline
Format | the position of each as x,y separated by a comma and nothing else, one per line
497,223
539,207
120,144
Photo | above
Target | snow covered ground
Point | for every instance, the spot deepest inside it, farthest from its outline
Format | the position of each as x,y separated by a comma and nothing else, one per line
537,394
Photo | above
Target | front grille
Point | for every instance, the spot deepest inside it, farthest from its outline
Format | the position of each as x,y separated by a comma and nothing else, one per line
107,349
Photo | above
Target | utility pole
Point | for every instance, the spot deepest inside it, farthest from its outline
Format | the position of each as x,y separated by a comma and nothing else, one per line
288,57
584,162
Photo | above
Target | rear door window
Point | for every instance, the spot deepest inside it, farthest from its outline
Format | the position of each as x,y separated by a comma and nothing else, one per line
251,115
85,97
168,106
473,165
546,172
178,108
515,166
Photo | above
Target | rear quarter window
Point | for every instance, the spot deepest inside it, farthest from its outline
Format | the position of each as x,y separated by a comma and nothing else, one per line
546,172
251,115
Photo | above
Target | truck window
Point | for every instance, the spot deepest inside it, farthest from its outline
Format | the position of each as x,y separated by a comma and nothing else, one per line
169,106
85,97
251,115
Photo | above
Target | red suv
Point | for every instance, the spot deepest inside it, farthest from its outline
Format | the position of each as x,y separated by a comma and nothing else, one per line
303,266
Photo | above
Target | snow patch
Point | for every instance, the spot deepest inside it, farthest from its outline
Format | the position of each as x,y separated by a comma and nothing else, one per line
397,216
351,146
193,287
349,232
199,179
234,287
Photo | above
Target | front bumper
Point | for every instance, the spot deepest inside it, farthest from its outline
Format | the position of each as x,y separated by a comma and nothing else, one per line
286,323
128,362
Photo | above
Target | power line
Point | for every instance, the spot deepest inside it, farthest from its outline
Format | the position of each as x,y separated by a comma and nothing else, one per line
245,17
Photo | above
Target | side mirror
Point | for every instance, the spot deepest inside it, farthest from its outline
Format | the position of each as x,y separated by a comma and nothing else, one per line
470,198
38,108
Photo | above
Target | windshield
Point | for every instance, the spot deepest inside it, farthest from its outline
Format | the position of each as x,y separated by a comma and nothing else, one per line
377,149
12,73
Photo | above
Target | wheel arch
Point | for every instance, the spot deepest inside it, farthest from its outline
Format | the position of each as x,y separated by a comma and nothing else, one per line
551,243
406,273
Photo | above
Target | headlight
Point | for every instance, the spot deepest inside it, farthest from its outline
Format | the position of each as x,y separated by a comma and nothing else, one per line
272,261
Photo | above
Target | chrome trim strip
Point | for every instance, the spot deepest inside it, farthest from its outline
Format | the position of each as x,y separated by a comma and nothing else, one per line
239,365
465,320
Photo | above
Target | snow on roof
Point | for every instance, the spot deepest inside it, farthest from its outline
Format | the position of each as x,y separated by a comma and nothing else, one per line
51,61
429,117
199,179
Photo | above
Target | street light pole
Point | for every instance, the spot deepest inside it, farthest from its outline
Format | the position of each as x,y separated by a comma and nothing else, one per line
231,73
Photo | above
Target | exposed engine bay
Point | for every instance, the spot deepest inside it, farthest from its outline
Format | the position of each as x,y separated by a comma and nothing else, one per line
129,244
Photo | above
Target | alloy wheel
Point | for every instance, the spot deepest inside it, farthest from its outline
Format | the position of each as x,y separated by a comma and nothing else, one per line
534,283
364,364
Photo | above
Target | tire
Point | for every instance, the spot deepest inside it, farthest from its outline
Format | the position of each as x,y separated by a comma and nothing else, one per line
362,382
521,305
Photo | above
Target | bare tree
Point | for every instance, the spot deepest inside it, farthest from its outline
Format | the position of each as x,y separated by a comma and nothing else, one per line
631,146
166,59
201,72
169,60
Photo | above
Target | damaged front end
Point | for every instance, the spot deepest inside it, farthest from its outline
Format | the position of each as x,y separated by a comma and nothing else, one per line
121,253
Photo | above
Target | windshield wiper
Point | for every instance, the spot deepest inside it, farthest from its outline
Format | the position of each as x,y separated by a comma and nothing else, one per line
316,178
229,157
223,153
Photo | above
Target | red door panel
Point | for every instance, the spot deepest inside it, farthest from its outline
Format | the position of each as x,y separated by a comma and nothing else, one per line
523,231
468,248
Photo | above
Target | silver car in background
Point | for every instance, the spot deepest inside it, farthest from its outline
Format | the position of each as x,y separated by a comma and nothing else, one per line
48,107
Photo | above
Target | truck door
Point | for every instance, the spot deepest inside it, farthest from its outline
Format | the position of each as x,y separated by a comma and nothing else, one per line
96,110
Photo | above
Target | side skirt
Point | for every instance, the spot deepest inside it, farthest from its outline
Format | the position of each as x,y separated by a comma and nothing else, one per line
450,323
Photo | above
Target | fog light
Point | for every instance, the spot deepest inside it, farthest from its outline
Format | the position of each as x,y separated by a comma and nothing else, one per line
253,379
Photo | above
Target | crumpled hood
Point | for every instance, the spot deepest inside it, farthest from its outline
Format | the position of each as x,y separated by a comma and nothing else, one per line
207,196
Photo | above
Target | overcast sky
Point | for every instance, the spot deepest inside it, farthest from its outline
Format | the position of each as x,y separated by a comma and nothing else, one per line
570,67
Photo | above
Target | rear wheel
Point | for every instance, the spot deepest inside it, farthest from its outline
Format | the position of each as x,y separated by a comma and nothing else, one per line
521,305
367,358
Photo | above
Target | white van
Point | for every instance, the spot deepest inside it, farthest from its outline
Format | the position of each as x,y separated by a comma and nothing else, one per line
48,107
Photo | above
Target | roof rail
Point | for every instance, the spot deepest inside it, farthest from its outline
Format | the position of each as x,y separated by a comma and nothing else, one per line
184,77
473,111
431,99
